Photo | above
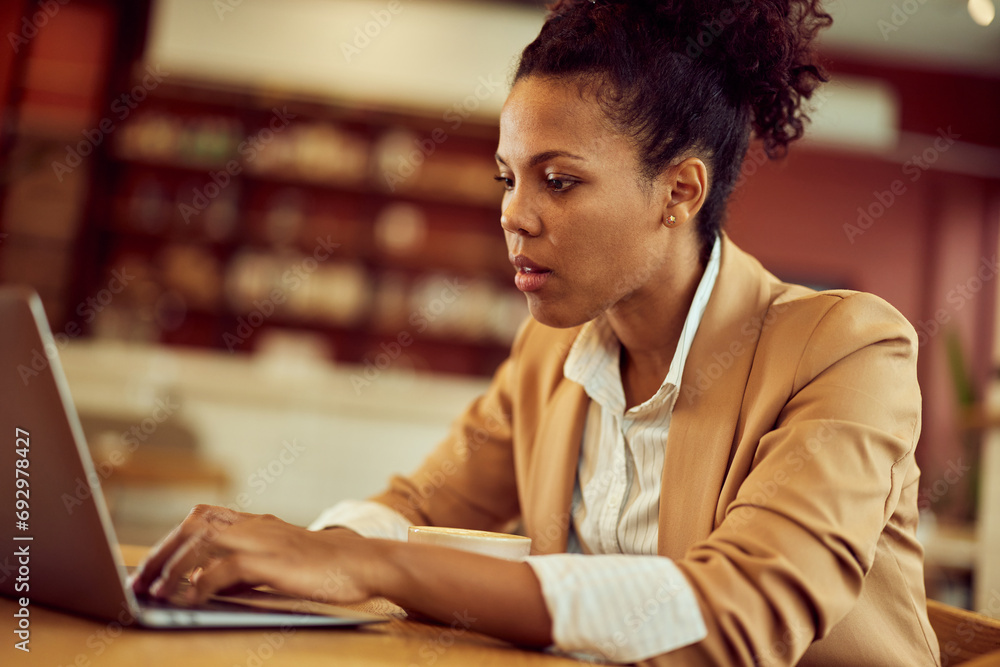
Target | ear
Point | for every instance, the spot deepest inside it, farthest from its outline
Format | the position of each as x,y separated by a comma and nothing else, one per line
687,185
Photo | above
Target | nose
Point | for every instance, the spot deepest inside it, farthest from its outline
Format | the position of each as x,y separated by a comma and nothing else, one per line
518,215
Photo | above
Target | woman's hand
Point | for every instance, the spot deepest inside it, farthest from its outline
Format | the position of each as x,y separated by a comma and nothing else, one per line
224,549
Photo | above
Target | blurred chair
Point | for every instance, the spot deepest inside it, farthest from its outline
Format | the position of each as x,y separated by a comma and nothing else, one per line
966,638
987,575
984,420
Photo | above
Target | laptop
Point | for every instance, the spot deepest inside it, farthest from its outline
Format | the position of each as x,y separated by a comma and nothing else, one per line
59,547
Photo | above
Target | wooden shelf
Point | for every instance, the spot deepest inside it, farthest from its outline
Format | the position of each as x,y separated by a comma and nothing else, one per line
402,240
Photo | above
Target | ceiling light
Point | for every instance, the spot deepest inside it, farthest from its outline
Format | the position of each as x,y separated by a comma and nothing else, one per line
982,11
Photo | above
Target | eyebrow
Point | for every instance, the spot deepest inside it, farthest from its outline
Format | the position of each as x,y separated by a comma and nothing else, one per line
538,158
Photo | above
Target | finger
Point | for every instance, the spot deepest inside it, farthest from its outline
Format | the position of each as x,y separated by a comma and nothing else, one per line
232,590
236,570
150,569
199,551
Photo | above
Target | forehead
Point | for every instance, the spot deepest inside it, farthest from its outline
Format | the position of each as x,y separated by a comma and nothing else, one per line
543,114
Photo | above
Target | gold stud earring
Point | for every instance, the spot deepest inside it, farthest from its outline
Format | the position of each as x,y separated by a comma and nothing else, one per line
671,221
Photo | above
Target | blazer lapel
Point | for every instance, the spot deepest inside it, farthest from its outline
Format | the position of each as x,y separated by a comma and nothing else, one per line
706,414
552,474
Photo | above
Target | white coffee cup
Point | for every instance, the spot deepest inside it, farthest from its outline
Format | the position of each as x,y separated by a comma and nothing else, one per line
498,545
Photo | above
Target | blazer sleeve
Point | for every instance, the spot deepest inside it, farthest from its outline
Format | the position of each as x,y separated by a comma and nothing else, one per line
789,559
469,479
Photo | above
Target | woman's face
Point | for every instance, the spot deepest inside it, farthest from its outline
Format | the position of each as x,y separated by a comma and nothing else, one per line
583,229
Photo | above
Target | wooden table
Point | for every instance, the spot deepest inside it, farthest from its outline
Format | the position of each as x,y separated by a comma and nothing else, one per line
62,640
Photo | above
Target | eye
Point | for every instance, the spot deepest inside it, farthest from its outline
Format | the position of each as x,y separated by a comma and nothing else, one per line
557,184
508,183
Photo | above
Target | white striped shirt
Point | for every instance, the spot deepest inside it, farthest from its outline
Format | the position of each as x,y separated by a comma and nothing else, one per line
620,602
640,606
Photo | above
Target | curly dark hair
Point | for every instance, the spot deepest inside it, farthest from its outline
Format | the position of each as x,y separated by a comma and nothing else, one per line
682,77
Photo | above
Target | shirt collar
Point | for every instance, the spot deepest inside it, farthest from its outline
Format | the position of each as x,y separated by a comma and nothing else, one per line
594,359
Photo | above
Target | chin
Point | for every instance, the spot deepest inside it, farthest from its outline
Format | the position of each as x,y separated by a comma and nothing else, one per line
558,316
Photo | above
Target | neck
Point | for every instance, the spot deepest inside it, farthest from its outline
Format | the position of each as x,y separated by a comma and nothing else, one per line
649,325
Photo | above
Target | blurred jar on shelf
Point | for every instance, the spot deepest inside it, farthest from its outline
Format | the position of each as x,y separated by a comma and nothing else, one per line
406,162
312,152
202,208
148,207
164,137
401,230
299,287
194,273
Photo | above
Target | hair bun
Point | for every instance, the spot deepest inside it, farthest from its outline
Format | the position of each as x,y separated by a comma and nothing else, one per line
763,49
766,51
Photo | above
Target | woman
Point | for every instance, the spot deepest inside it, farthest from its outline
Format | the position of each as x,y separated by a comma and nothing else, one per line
715,467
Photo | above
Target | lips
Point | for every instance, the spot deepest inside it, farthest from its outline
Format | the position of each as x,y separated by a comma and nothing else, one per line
530,276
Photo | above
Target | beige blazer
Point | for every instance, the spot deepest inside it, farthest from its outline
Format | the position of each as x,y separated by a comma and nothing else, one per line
789,493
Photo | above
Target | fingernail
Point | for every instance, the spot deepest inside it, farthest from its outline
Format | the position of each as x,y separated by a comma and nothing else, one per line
157,587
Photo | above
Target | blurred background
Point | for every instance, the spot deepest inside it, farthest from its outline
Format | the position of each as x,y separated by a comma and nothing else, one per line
266,236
